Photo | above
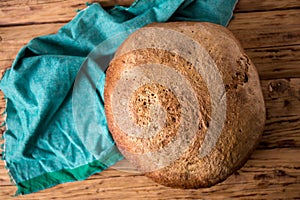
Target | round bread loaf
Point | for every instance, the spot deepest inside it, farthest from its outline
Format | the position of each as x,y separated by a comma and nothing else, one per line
183,103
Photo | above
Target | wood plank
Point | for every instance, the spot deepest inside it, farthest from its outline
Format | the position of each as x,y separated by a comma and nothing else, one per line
271,62
272,41
277,28
267,29
12,39
265,5
276,62
268,174
16,12
279,149
282,101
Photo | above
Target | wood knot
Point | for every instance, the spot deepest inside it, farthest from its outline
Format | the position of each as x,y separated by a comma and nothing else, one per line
262,177
278,87
279,172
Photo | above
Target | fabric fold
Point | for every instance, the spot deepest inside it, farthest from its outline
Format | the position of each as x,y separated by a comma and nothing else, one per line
43,146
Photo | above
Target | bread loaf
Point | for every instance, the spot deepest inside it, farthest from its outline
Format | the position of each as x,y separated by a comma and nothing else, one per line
183,103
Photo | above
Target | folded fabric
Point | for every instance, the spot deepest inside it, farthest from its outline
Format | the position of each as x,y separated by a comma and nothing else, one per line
56,128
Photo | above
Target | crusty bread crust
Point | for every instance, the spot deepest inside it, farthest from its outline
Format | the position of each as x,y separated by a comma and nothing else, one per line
245,110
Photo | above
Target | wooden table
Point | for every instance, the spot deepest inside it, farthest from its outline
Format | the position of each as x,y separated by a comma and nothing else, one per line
269,31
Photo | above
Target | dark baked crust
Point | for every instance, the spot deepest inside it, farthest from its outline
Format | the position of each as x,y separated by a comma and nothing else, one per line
245,116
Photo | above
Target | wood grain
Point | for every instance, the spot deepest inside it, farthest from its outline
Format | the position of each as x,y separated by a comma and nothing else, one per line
276,62
282,101
282,61
266,5
268,173
18,12
12,39
261,31
272,170
21,12
268,30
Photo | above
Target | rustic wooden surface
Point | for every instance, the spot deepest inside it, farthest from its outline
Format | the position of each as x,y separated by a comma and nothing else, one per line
269,31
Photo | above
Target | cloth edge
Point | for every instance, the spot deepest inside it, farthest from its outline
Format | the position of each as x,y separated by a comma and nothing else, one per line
21,185
231,16
52,179
12,180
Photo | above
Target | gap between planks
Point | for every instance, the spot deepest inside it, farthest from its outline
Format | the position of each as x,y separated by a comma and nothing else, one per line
265,168
280,144
16,12
277,175
282,102
272,44
282,125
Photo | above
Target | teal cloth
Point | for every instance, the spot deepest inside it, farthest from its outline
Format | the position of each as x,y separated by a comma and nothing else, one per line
43,146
